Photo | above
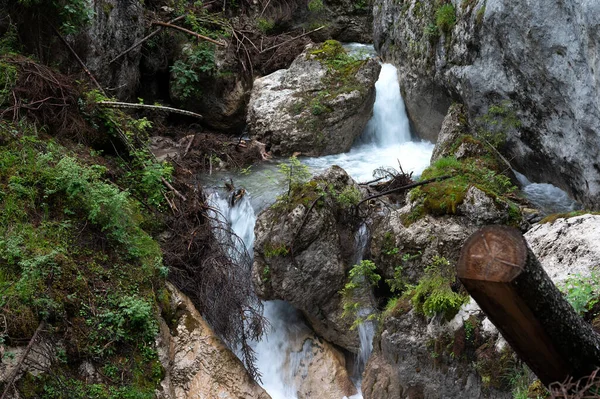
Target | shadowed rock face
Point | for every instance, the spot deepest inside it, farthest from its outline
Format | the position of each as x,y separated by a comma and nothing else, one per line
311,110
302,254
542,59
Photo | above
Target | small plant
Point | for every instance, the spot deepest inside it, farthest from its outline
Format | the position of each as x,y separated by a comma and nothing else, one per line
433,294
295,173
265,25
431,31
272,250
315,6
445,17
362,276
582,292
198,59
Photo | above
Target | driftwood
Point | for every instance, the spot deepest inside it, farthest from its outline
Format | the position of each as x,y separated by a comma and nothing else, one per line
116,104
11,379
503,275
145,38
403,188
170,187
199,36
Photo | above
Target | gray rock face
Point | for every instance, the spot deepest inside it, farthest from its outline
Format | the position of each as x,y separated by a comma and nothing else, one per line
299,110
539,57
567,247
303,254
116,25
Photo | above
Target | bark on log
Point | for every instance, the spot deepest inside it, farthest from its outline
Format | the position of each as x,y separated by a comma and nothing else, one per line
503,275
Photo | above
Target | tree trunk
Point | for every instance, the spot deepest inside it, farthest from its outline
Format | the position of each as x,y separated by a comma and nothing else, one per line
503,275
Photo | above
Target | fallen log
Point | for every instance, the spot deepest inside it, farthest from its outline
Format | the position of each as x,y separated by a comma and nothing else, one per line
117,104
502,274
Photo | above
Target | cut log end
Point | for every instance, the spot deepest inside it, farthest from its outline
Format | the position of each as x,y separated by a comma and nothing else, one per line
493,253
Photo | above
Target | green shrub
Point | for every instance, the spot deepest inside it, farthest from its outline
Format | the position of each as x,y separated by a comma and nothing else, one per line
315,6
433,294
445,18
197,60
265,25
361,277
582,292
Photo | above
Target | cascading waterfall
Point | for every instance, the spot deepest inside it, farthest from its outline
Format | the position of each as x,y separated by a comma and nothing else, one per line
385,142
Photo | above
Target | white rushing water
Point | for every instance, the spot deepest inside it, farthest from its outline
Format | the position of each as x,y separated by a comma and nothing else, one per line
546,197
385,142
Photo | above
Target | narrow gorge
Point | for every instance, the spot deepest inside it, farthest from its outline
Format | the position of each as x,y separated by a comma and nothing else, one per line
269,199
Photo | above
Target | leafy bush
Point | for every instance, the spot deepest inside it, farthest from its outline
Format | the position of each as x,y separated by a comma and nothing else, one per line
582,292
265,25
433,294
294,172
445,17
198,60
361,277
315,5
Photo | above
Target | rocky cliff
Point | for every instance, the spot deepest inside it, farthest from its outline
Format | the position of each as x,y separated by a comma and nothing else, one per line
527,71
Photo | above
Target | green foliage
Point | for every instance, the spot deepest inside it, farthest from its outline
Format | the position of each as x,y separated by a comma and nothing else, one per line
433,294
315,6
273,250
479,16
431,31
8,78
497,122
265,25
9,42
441,198
199,60
294,172
72,15
348,197
72,253
445,17
582,292
361,277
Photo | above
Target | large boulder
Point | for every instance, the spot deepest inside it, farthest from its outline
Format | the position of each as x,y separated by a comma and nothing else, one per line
197,364
304,248
567,247
529,68
318,106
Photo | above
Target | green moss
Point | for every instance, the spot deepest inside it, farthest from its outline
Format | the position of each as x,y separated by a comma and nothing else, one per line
443,197
479,16
265,25
566,215
445,18
8,78
315,6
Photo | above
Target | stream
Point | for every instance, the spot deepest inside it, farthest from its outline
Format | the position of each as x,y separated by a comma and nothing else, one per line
386,141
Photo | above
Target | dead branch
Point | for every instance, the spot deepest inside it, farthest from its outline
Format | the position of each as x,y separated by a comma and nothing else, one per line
168,25
187,148
117,104
292,39
409,186
87,71
15,372
144,39
177,193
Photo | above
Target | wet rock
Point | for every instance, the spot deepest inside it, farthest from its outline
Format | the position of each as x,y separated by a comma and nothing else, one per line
312,108
567,246
321,372
531,68
196,362
303,251
453,127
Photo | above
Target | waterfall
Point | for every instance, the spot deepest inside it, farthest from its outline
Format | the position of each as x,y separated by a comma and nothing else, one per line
385,142
389,124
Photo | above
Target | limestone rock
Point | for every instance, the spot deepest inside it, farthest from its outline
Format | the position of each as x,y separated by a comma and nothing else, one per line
197,364
296,110
534,65
567,247
321,372
453,126
116,25
302,254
